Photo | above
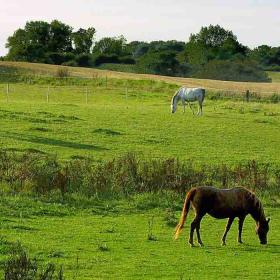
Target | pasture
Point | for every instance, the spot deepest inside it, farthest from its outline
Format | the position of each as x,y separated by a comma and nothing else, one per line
131,237
115,241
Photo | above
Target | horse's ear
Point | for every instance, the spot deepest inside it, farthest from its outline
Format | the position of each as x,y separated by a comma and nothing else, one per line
268,220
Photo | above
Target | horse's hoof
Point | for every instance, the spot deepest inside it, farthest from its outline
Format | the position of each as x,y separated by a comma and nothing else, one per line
240,242
201,244
191,245
223,243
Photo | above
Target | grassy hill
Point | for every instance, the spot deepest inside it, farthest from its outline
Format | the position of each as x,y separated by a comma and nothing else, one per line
45,69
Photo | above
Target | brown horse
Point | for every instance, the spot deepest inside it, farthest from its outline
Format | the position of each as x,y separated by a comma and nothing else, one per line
220,204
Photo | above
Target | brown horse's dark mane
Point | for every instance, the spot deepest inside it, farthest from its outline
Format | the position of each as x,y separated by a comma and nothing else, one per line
257,210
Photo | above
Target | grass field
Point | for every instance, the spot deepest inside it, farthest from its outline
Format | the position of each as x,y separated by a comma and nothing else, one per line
96,238
111,242
111,125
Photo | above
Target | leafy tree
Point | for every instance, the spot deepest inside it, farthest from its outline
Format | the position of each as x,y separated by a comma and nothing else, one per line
213,42
60,37
111,46
159,62
266,56
83,40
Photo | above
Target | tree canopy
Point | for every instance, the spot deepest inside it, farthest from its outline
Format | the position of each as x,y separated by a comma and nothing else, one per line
213,52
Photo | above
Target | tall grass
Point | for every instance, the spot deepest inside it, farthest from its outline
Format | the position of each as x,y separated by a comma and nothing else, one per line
127,175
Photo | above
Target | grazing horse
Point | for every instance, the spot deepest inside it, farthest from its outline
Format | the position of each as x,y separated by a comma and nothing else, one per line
220,204
188,95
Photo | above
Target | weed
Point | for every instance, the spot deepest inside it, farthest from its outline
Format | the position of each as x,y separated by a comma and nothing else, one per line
151,236
103,247
170,217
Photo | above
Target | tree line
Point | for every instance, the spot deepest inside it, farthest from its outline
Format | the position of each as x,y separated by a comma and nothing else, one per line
213,53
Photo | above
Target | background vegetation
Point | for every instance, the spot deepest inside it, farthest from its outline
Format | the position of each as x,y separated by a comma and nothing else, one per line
205,55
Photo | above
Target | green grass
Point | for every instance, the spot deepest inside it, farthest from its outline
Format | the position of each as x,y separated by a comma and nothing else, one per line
102,242
113,123
132,239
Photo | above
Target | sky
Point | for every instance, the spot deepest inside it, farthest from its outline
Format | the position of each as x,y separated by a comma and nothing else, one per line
255,22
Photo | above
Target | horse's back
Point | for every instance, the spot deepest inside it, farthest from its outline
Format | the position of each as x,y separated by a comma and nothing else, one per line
221,203
192,94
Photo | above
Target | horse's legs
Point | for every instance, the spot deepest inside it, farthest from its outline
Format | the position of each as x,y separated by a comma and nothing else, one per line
229,223
184,106
198,233
240,226
191,108
200,105
195,225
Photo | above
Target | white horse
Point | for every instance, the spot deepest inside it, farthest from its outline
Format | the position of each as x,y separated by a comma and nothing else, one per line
188,95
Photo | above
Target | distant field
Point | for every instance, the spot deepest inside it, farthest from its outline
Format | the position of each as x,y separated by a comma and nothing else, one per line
113,123
209,84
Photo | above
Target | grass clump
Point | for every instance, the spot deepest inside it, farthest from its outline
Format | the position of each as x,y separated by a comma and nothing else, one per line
20,266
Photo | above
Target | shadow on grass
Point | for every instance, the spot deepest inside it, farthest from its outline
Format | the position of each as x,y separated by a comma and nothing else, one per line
50,141
107,132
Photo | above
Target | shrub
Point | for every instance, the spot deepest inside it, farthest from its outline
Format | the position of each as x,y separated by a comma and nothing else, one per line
62,72
244,71
21,267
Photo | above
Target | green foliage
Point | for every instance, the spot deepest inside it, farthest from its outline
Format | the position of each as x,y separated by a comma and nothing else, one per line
232,71
21,267
111,46
56,43
126,176
159,62
83,40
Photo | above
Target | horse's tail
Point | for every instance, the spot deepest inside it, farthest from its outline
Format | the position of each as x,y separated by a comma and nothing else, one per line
203,94
185,211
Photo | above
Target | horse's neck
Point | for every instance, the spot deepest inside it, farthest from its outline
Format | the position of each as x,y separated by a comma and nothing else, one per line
258,212
177,98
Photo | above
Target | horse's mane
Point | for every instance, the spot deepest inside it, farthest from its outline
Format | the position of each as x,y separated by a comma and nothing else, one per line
256,203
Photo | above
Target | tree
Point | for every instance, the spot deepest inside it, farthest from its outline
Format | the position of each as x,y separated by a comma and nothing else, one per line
60,37
30,43
111,46
83,40
159,62
213,42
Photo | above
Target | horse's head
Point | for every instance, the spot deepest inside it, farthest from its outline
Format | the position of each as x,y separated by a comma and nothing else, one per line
262,230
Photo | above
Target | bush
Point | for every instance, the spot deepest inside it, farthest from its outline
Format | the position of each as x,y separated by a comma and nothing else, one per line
127,175
62,72
243,71
102,58
84,60
71,63
21,267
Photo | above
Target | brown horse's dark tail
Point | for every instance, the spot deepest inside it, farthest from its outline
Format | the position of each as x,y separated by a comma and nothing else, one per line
185,211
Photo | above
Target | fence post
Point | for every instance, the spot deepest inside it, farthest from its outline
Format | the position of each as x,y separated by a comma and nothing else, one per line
247,94
7,92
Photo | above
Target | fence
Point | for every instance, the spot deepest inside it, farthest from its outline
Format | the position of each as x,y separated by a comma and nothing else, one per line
50,89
